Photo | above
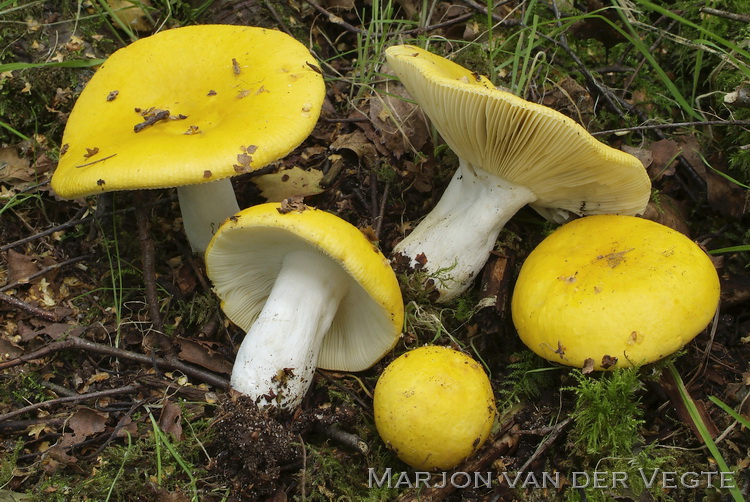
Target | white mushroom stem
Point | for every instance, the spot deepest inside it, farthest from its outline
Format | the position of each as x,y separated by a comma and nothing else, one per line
204,207
277,358
457,236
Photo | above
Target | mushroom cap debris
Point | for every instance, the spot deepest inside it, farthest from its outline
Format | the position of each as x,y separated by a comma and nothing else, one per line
613,291
434,406
522,142
245,257
189,105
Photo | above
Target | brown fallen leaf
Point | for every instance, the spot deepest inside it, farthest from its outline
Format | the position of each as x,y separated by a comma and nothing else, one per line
170,420
664,154
358,143
202,354
400,126
20,267
85,422
669,212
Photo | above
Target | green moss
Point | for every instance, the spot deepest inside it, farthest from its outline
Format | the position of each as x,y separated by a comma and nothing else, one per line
607,416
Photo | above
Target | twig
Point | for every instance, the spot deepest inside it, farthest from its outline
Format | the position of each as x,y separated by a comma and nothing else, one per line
31,309
333,18
546,443
444,24
58,389
352,441
674,125
73,222
42,272
127,389
150,120
344,120
334,381
501,21
120,424
164,363
96,161
593,84
381,213
744,18
276,16
20,425
148,260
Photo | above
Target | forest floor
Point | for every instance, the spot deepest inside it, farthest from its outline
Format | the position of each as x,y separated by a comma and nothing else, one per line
105,397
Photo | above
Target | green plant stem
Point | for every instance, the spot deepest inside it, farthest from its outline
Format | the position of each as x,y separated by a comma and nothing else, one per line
703,430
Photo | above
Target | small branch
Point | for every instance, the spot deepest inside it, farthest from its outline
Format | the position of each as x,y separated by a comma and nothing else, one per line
31,309
75,221
501,21
381,213
79,343
344,438
148,260
333,18
128,389
96,161
674,125
444,24
740,97
150,120
277,17
546,443
743,18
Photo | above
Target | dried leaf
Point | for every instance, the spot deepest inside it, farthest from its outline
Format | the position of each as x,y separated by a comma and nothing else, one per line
664,155
400,126
170,420
358,143
202,354
294,182
84,423
20,267
669,212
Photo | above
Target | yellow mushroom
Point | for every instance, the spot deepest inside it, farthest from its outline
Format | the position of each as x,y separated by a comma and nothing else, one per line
189,108
512,152
434,406
310,290
613,291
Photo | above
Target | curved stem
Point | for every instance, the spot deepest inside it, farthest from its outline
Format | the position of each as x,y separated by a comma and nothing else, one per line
277,359
204,207
457,236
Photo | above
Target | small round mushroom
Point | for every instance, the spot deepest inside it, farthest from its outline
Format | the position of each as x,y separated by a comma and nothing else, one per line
310,290
434,406
189,108
512,153
613,291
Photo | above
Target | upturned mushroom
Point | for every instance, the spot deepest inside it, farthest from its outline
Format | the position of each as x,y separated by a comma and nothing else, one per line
613,291
189,108
511,153
310,290
434,406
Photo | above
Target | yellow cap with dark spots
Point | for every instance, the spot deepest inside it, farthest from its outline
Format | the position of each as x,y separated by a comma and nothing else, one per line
189,105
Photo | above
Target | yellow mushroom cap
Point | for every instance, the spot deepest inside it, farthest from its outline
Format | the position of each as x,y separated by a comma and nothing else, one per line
208,101
434,406
522,142
609,286
246,254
